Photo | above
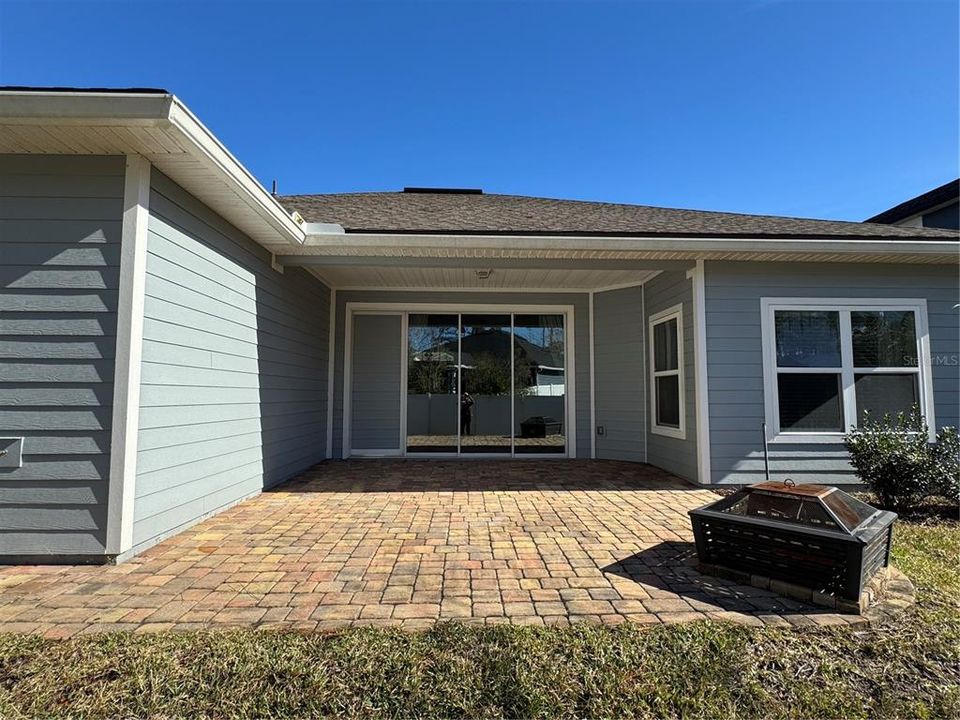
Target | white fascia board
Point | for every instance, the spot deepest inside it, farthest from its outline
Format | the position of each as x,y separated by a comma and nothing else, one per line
37,107
137,110
215,154
635,244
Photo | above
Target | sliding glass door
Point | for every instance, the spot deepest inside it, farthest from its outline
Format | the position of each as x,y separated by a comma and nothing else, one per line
432,383
540,384
484,384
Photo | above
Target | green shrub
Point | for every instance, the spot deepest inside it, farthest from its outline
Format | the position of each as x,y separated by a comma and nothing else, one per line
946,469
895,459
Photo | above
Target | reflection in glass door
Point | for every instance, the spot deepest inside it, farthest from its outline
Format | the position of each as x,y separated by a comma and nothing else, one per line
490,383
432,381
539,384
485,384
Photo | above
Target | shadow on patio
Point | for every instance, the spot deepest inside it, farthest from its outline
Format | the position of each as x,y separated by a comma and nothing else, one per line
671,567
482,475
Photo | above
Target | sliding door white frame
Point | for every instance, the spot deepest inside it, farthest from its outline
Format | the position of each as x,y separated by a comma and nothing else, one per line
404,310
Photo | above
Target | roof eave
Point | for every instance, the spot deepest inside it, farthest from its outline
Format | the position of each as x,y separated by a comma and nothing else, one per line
937,235
111,112
945,250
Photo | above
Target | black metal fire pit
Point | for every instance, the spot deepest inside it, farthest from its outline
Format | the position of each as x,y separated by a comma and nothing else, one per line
812,536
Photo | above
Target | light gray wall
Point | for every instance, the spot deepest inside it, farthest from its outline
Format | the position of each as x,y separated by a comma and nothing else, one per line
621,398
60,219
678,456
509,301
234,383
735,362
375,382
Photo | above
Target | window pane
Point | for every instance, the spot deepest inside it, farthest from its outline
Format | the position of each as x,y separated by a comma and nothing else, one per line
882,393
485,386
807,338
809,402
887,338
539,384
668,400
432,403
665,345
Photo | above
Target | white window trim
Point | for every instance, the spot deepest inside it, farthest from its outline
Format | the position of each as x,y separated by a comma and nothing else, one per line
671,313
768,306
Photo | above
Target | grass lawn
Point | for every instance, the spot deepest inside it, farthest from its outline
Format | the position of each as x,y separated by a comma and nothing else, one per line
910,668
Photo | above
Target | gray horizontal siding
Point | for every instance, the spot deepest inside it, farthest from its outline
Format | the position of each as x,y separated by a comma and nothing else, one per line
234,379
509,301
735,360
678,456
60,224
618,349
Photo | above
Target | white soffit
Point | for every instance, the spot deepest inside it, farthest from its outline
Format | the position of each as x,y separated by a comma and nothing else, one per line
357,277
158,127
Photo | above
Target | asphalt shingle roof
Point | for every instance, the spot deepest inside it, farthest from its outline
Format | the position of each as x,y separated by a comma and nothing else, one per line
476,213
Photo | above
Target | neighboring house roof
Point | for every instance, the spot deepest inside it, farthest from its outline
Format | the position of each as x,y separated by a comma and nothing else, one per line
920,204
467,212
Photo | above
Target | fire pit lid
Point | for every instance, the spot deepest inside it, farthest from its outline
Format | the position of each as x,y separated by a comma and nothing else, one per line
821,506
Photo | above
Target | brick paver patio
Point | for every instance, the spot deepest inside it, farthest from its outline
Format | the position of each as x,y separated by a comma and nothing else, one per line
407,543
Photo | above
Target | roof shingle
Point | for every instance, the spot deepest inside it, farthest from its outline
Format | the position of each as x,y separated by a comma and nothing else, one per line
482,214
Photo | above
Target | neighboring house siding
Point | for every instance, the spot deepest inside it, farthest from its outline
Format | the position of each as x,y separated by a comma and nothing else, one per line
376,384
945,217
234,374
678,456
735,362
619,353
509,300
60,219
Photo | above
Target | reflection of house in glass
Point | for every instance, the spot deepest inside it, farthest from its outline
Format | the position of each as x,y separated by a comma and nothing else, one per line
486,383
537,370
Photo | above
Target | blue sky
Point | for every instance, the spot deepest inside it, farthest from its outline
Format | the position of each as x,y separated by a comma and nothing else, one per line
820,109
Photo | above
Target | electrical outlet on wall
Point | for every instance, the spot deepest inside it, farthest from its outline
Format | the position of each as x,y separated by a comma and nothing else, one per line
11,452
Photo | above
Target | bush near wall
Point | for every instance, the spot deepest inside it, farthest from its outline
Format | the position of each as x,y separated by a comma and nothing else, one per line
895,459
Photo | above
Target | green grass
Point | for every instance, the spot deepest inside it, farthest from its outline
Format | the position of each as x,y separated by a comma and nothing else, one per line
908,668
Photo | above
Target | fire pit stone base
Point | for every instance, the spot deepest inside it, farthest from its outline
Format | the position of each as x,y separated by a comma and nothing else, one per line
888,592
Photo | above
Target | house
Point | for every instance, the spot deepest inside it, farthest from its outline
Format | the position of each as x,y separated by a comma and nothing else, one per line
176,339
938,208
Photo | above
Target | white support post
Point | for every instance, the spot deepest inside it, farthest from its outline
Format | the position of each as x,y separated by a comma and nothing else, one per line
331,353
700,372
593,385
126,381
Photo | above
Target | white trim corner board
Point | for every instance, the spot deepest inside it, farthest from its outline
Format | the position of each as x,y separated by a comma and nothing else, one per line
593,382
701,374
331,367
129,352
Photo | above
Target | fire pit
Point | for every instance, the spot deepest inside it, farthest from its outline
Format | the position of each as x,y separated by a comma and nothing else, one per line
810,536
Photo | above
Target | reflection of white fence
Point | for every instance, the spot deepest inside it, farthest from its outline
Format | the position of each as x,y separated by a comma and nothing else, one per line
550,382
438,414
